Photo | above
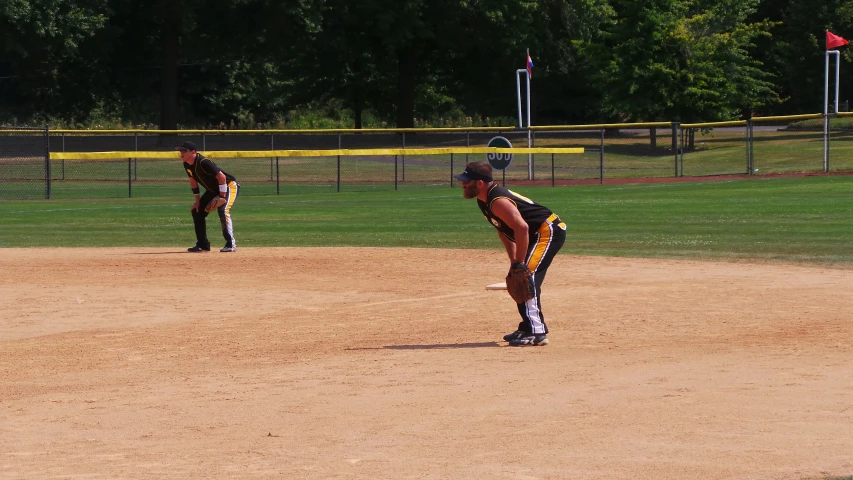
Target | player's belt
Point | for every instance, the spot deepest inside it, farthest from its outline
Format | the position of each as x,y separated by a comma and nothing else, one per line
554,219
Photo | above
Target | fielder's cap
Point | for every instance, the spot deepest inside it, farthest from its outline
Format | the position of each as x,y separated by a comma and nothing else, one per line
187,146
475,171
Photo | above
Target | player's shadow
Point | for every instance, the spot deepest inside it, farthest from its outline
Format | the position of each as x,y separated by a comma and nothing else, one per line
165,253
435,346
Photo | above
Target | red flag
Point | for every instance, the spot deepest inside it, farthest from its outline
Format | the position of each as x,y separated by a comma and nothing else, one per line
833,40
529,66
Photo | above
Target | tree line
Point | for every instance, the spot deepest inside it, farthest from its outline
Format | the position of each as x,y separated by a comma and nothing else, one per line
201,63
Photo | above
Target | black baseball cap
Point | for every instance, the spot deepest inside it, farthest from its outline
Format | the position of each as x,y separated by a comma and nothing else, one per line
187,146
471,173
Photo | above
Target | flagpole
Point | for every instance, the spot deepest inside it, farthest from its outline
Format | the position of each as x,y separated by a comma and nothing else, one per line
529,139
528,90
826,101
826,111
832,41
518,96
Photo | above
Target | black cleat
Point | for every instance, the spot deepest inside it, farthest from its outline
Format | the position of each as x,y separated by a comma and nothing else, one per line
530,341
515,335
199,248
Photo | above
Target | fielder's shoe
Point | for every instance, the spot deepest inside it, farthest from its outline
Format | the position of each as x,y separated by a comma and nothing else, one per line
530,341
199,248
515,335
226,249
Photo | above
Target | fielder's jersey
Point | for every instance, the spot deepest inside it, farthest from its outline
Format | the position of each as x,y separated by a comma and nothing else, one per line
532,213
204,172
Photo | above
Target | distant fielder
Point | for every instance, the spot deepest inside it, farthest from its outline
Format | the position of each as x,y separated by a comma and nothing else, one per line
532,236
220,193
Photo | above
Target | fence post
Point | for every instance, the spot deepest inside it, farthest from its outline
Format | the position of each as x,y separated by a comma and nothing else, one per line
339,163
47,160
826,141
63,160
682,147
529,155
552,170
676,127
404,163
272,147
751,147
129,178
467,144
532,156
451,170
601,160
135,161
749,161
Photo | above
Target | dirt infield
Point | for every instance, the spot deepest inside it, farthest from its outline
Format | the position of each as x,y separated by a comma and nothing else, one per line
333,363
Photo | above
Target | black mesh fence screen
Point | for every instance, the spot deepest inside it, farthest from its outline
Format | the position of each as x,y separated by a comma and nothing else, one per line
786,147
24,164
609,152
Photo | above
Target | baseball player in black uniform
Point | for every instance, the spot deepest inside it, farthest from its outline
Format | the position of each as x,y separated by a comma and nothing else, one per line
217,185
532,235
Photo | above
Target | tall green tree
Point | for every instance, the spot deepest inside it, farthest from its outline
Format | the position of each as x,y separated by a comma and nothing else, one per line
795,54
195,62
39,41
681,60
564,90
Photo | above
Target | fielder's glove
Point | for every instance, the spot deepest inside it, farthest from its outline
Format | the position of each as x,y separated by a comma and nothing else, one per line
215,204
519,283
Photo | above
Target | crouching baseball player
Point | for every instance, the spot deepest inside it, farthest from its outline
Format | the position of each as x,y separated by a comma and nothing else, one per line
532,235
220,193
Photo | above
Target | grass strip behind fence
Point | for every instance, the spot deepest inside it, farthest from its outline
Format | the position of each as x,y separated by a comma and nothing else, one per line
806,219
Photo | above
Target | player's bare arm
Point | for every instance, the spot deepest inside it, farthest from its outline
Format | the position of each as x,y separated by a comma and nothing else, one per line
509,245
220,179
194,187
509,214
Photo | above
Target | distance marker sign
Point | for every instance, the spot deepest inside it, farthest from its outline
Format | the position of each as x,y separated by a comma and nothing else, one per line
499,161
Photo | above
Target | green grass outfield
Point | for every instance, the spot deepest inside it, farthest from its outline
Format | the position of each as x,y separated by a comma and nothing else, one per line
804,219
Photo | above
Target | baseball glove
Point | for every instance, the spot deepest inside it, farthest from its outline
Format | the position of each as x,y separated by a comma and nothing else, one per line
215,204
519,283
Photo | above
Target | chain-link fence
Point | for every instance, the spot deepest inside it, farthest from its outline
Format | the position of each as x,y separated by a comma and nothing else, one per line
24,163
265,174
611,151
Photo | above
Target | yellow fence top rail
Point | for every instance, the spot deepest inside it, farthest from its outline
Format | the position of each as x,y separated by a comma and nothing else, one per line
787,118
214,154
508,128
601,126
735,123
286,132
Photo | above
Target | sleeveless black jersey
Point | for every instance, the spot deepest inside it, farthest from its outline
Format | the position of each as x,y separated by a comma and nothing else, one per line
204,172
532,213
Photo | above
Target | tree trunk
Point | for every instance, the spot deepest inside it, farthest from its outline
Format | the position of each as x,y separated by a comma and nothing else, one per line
406,87
169,76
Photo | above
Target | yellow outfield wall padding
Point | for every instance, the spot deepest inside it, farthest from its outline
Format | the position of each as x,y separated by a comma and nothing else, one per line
313,153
